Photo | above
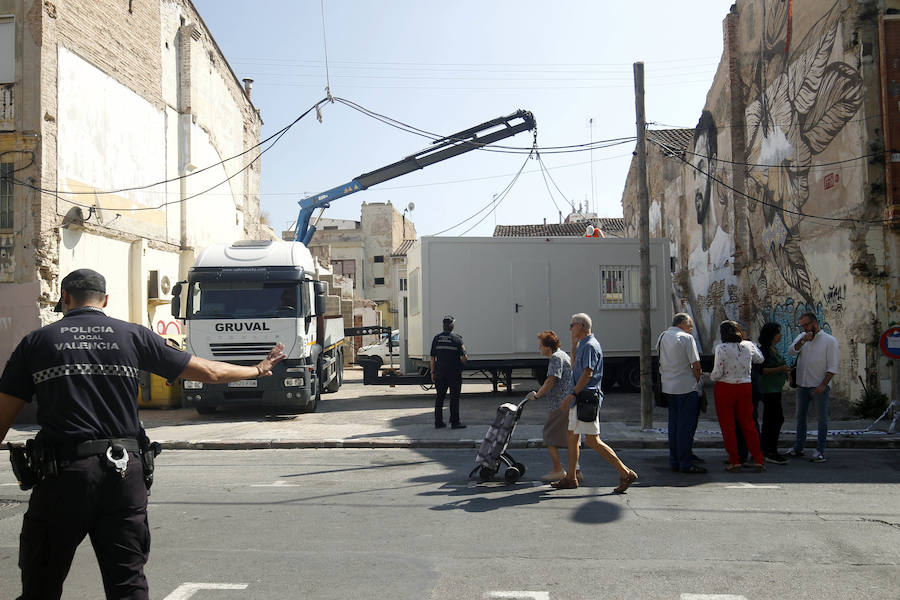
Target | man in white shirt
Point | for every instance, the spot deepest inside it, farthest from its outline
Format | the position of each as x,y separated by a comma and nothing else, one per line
817,361
679,370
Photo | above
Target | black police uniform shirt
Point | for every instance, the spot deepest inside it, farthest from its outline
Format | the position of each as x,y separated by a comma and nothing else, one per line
84,371
447,348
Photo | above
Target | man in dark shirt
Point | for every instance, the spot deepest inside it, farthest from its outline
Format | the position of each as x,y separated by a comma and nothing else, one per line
83,372
447,357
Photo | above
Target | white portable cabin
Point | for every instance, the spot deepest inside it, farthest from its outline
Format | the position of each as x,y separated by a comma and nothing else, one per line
504,291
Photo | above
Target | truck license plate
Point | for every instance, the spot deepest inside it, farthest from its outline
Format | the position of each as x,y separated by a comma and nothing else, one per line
243,383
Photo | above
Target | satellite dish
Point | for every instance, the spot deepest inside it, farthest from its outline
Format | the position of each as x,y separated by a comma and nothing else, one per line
412,206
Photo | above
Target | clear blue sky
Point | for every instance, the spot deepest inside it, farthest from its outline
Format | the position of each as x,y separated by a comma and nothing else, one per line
446,66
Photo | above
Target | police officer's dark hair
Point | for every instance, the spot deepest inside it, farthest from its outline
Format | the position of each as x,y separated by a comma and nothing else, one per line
82,297
448,326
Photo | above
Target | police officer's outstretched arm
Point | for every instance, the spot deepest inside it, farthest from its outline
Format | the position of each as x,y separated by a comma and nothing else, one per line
9,408
213,371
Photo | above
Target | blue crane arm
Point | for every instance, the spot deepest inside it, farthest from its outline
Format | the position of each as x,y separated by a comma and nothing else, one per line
441,149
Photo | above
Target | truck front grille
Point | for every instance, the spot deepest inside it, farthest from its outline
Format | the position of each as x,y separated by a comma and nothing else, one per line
244,349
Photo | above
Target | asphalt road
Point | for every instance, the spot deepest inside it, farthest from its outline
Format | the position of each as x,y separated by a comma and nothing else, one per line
408,524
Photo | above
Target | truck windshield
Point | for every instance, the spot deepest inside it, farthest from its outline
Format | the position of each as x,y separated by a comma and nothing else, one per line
243,300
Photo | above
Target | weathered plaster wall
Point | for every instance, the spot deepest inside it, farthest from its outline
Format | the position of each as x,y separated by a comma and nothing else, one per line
782,148
110,95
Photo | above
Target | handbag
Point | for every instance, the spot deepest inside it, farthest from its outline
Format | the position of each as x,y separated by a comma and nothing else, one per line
792,378
587,405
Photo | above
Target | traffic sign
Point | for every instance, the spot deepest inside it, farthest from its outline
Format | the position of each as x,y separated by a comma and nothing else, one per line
890,343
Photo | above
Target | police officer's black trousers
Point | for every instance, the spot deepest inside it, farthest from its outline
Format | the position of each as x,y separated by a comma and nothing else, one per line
442,381
87,497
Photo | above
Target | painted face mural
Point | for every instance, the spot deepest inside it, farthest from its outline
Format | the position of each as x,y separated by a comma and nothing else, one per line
703,162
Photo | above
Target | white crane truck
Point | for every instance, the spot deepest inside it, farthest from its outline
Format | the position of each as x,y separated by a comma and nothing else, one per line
243,298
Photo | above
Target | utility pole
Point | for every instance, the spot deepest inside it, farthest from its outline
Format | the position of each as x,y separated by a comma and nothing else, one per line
644,237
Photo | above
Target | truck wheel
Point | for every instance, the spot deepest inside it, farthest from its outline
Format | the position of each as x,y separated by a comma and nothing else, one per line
630,376
206,410
540,374
335,384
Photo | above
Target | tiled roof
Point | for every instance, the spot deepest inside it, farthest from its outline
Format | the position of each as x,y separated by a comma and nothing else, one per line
676,141
403,248
612,227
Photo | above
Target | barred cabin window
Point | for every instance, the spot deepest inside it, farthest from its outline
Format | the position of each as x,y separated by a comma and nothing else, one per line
612,286
6,196
620,286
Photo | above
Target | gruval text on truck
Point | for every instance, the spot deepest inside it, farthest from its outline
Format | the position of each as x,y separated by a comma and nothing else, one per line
241,299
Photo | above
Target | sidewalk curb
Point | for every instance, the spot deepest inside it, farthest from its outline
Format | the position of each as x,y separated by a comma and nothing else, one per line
384,443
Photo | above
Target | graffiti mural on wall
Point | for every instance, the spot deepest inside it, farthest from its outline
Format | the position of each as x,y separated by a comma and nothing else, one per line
787,314
802,98
168,328
711,287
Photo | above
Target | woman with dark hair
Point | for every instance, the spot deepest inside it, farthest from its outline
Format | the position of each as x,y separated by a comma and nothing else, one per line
734,394
556,386
772,376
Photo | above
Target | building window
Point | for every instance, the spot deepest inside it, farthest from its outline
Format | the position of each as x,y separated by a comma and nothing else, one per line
403,287
379,281
379,258
6,196
621,286
612,286
7,49
347,268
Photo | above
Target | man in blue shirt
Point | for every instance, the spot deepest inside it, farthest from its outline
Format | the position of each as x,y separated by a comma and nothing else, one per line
587,373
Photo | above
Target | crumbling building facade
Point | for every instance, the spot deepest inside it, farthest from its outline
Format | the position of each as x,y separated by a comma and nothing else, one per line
117,123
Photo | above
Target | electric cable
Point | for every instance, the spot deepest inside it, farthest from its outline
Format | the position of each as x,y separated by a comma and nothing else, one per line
325,48
775,206
488,205
599,144
498,200
278,134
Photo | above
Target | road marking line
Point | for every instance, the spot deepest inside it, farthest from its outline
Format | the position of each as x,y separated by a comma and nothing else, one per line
752,486
712,597
279,483
519,595
186,590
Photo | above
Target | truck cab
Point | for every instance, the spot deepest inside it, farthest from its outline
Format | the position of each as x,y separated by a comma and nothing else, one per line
243,298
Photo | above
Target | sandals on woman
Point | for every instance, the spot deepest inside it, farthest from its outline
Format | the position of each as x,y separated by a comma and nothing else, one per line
733,467
625,482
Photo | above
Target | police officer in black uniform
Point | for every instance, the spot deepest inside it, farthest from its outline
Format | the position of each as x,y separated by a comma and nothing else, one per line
83,372
447,357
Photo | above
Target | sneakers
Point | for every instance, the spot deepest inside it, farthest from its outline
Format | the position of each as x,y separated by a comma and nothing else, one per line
794,453
817,457
776,458
440,425
457,426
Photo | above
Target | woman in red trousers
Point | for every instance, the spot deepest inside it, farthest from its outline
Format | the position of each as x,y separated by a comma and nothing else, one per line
734,394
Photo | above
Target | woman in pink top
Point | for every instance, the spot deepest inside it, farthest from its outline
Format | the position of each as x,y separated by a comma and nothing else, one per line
734,394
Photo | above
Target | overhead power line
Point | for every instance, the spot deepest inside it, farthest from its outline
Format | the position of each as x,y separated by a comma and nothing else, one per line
766,203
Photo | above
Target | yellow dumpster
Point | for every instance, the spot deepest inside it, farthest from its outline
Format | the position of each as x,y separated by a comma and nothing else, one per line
157,392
